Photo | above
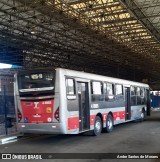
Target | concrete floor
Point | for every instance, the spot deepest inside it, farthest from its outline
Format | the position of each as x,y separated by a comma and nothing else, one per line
133,137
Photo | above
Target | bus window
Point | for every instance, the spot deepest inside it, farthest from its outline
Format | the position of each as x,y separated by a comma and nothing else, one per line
142,96
105,88
133,91
138,91
70,86
119,89
142,92
119,92
133,96
109,91
39,82
96,90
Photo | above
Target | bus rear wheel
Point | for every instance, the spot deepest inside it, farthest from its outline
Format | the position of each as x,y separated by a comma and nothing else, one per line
97,126
109,124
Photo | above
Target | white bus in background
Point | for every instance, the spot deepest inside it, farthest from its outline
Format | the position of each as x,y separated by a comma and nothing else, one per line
63,101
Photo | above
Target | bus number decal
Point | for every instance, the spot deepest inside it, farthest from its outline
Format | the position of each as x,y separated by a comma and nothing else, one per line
94,106
46,102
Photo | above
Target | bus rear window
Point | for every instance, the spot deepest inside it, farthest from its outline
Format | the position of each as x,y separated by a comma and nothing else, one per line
41,80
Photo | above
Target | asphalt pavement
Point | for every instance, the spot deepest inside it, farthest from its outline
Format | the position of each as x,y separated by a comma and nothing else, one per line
132,137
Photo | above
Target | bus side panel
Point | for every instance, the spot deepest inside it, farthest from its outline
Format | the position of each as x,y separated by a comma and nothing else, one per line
17,99
118,115
16,96
63,101
136,111
114,105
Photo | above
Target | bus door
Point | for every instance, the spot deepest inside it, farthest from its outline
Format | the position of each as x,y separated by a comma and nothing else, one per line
83,99
127,104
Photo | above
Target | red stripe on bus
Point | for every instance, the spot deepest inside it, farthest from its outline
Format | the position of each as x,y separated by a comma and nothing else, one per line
120,115
73,123
104,117
92,117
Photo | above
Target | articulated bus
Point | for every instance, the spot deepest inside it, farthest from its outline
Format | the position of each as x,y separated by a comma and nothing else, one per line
62,101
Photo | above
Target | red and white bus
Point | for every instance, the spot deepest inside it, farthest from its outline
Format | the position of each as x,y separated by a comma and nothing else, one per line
62,101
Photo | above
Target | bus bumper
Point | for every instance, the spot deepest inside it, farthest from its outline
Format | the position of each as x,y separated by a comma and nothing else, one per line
41,128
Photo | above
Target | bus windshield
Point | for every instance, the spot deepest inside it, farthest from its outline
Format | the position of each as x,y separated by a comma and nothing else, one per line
39,81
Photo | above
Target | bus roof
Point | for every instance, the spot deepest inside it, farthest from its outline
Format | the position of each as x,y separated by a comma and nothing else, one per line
84,75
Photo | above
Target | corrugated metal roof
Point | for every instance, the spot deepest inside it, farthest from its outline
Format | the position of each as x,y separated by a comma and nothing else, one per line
109,37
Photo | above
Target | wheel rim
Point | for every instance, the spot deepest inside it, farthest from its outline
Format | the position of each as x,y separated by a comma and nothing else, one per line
98,126
142,115
109,123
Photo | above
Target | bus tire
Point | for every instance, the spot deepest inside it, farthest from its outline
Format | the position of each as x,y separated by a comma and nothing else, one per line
109,124
142,115
97,126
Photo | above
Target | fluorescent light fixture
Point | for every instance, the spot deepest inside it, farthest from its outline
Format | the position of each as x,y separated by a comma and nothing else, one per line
32,32
5,66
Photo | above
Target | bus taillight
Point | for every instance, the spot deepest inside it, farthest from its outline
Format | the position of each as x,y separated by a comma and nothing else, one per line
19,116
56,115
